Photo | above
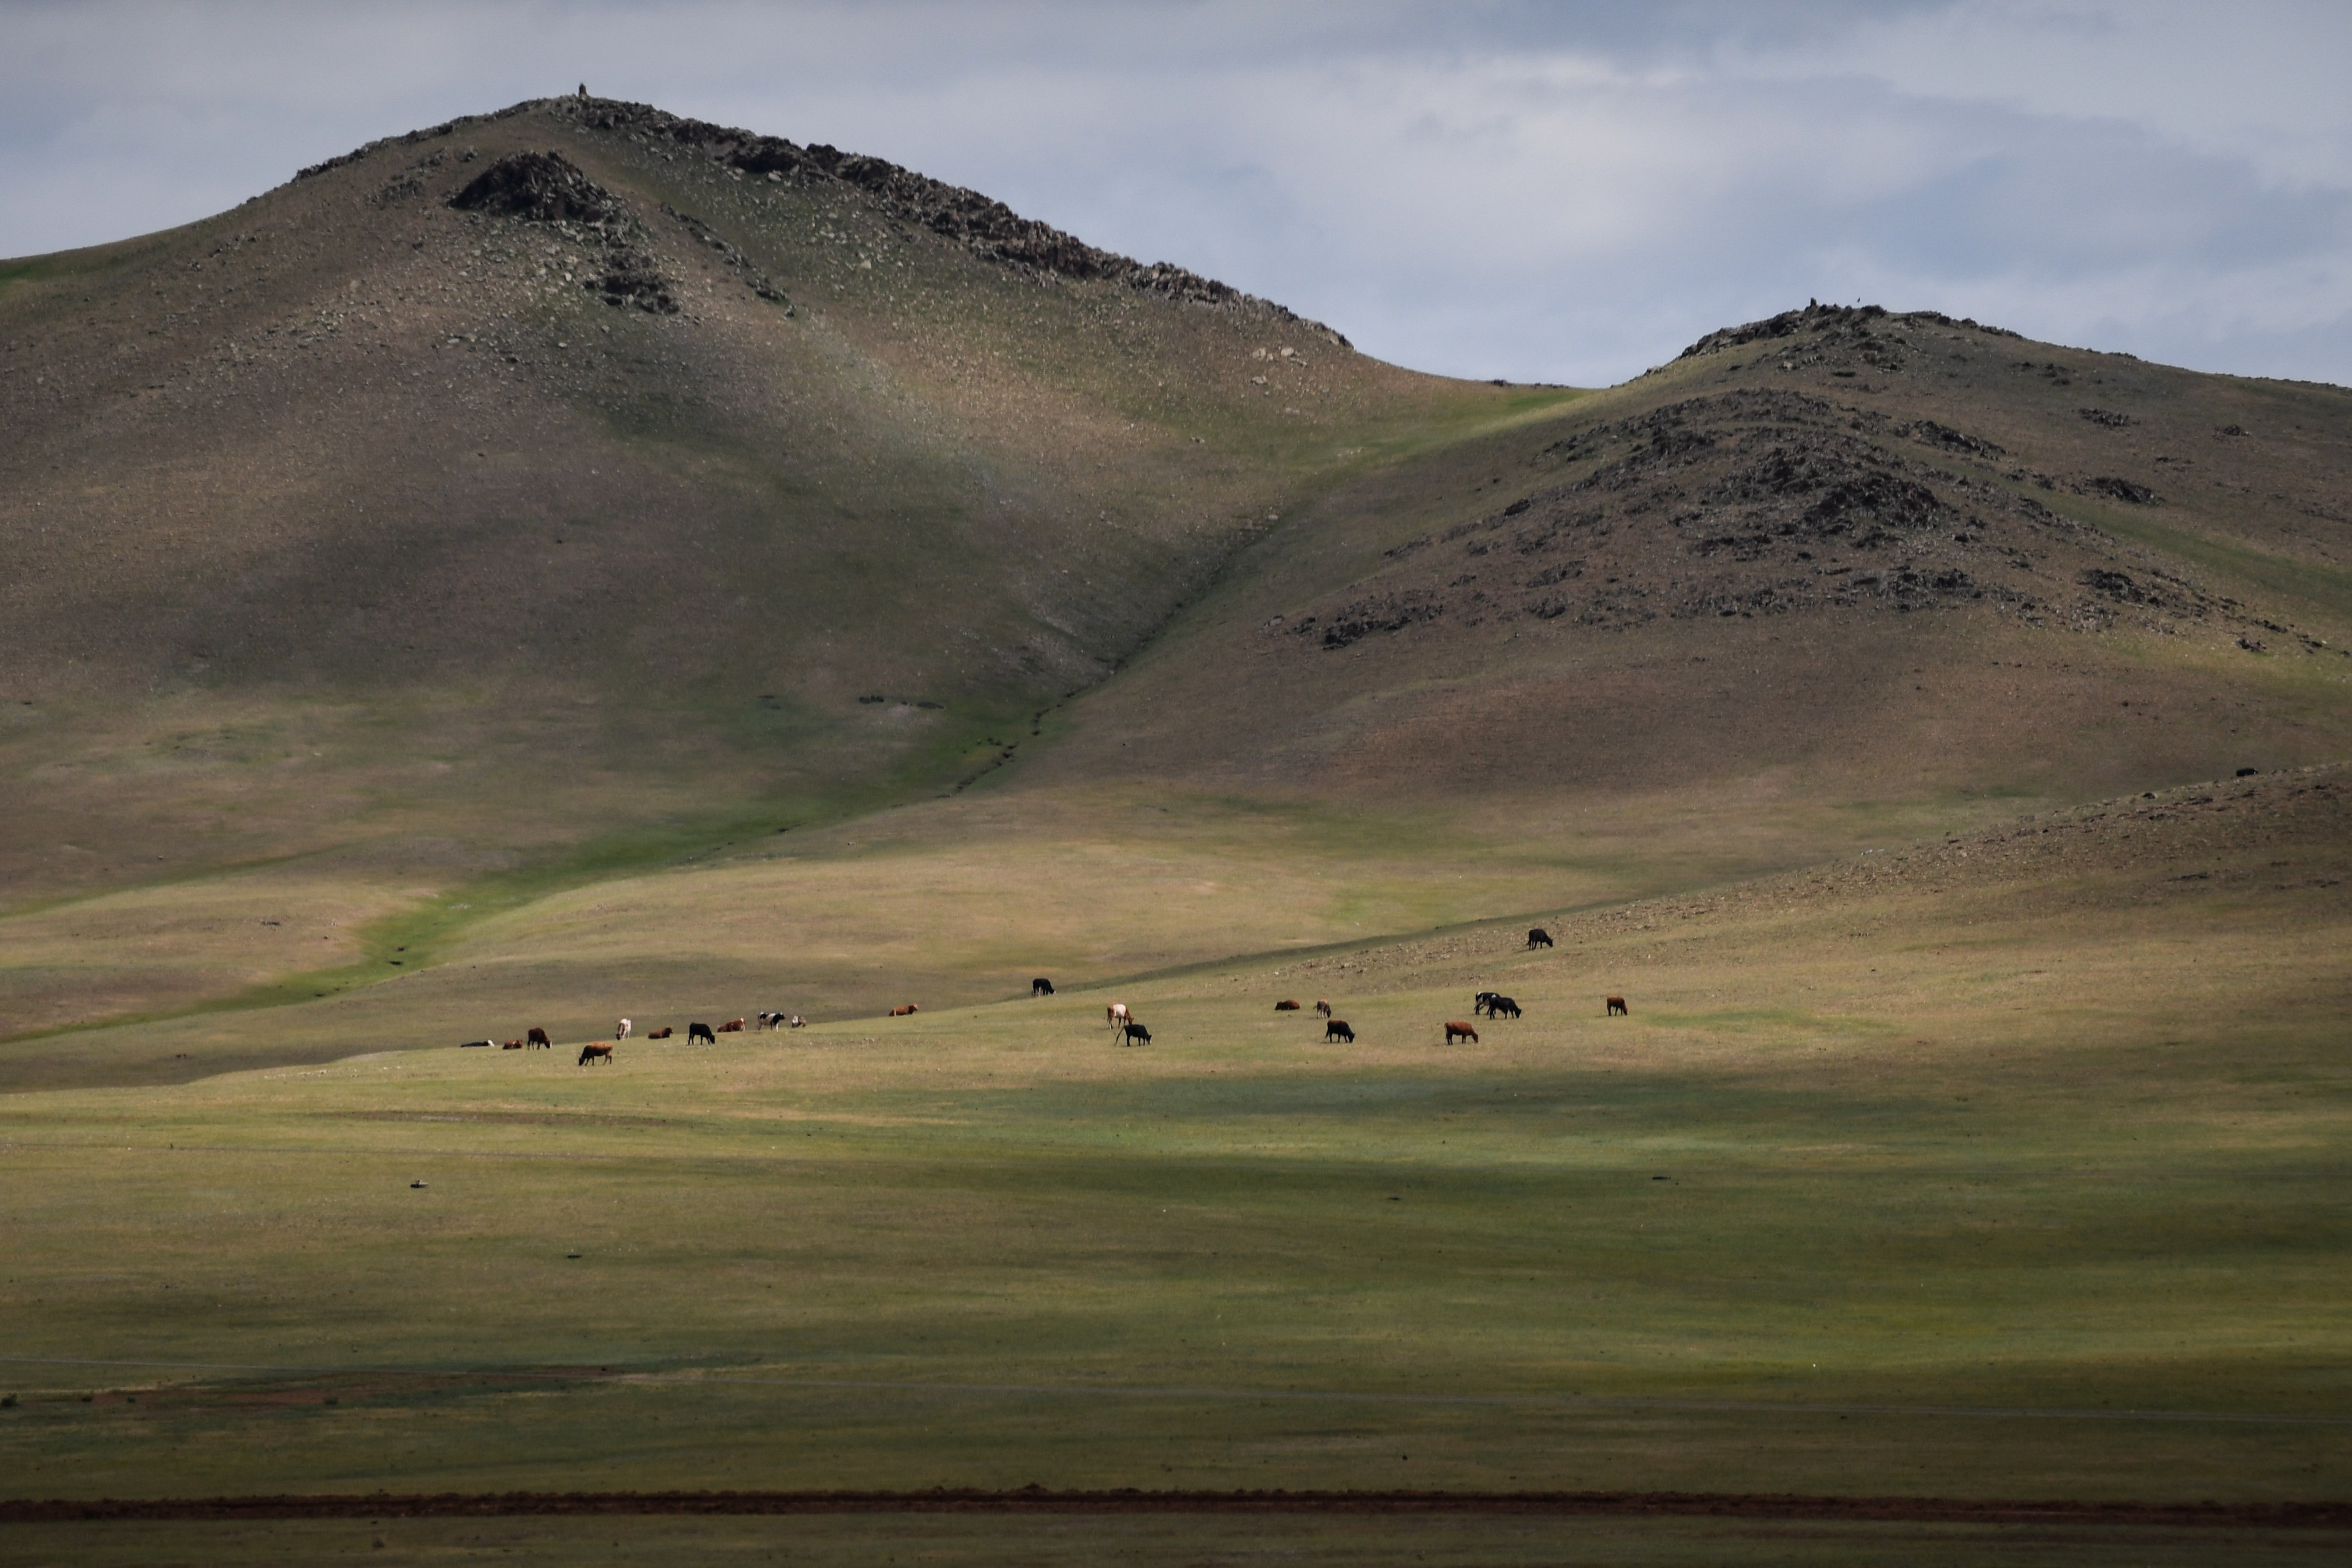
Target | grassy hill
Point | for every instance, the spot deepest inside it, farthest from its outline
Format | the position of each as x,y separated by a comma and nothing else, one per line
355,510
579,492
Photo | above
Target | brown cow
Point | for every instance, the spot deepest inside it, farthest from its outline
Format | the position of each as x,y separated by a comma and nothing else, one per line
1117,1014
537,1037
511,1045
1455,1031
1617,1006
589,1053
902,1012
1323,1007
1285,1005
796,1021
734,1028
662,1034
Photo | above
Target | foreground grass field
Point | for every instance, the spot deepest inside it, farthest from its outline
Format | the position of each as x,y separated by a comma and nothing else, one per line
2009,1166
1462,1542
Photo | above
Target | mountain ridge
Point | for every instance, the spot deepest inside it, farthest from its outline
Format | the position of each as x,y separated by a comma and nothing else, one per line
983,225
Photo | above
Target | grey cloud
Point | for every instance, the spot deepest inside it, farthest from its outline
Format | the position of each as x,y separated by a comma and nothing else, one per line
1533,190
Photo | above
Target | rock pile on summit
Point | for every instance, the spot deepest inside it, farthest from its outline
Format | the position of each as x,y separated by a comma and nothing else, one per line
549,188
545,187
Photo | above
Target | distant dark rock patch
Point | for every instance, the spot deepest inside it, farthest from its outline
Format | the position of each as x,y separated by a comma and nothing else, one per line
2108,417
1950,440
2123,490
544,187
630,277
1353,623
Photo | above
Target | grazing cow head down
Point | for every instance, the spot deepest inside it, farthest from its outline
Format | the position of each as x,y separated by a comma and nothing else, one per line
902,1012
695,1031
1617,1006
1323,1007
1137,1034
1338,1030
589,1053
1539,938
1041,987
1458,1030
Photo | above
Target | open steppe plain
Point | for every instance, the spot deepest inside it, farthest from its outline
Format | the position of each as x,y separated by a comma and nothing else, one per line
2009,1165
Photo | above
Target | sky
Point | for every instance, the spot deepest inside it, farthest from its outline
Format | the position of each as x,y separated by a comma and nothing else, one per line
1541,192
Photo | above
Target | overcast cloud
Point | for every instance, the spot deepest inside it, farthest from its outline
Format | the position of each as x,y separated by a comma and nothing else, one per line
1565,193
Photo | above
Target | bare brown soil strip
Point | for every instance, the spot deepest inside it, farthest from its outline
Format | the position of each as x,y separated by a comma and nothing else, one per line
1127,1500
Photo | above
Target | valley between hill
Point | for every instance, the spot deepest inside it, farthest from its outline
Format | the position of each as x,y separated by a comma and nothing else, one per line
579,562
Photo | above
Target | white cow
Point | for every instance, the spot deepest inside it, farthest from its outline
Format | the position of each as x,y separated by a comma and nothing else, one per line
621,1030
1118,1014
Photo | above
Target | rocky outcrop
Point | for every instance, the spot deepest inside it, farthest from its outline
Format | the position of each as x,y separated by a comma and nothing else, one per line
544,187
549,188
985,226
1849,321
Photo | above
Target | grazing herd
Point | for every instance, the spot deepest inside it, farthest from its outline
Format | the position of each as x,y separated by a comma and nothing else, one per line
1124,1024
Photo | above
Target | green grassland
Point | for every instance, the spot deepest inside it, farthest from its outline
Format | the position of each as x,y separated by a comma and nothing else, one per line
1995,1169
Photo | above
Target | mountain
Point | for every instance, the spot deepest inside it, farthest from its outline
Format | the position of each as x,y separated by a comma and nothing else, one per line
580,466
556,494
1841,554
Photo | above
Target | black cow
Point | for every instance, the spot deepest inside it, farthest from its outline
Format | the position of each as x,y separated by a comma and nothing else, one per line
1539,938
1478,1003
1041,987
1500,1005
1137,1034
1338,1030
695,1031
